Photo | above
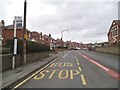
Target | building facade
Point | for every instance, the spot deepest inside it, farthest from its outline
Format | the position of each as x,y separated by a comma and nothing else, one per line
114,32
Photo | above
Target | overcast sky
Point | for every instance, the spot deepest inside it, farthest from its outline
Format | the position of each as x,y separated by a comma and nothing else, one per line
86,20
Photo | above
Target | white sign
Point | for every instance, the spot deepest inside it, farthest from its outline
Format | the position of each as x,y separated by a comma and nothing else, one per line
18,21
15,46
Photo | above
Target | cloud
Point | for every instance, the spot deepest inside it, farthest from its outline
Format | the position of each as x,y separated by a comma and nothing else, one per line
86,21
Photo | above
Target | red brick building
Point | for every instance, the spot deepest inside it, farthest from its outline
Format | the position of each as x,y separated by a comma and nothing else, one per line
8,32
1,26
36,36
44,39
114,32
58,43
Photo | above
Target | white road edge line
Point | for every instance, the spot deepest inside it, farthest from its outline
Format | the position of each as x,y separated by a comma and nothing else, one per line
65,54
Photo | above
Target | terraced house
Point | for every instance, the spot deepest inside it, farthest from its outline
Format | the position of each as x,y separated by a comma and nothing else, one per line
114,32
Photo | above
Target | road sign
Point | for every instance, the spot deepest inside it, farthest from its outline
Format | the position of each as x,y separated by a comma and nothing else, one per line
25,36
18,21
15,46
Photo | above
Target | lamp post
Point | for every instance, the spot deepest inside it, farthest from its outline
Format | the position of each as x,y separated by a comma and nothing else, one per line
24,34
62,33
62,36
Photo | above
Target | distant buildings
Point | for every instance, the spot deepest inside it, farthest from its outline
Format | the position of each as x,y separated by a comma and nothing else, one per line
8,31
114,32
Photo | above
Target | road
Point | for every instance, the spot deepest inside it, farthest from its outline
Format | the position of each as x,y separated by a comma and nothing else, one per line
76,69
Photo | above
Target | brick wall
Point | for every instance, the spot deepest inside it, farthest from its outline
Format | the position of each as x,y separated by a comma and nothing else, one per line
9,34
31,57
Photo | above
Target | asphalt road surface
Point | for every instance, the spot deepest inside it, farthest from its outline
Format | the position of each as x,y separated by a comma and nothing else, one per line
77,69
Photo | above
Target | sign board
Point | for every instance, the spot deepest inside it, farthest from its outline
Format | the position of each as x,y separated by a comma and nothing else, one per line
25,37
18,21
15,46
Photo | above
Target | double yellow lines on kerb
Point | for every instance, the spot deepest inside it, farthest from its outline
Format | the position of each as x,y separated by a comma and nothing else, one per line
82,76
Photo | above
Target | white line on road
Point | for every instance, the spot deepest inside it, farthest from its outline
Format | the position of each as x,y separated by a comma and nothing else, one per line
65,54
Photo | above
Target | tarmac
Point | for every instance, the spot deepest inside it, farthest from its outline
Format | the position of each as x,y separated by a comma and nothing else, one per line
11,76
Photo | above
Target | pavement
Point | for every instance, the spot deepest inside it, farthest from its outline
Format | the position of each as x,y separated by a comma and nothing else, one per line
11,76
75,69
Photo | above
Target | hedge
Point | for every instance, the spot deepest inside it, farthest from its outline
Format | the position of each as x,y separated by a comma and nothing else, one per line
4,50
31,47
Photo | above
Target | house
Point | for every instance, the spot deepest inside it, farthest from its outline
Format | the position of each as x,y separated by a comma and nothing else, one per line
47,39
114,32
44,39
59,43
1,26
36,36
8,33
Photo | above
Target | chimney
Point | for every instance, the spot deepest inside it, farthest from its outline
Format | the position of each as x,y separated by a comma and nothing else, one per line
3,23
40,33
49,35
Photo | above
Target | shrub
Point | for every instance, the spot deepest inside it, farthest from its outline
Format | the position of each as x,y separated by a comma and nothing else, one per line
4,50
31,47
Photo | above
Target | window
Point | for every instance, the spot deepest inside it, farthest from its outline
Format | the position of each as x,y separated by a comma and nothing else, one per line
42,38
29,35
117,27
114,32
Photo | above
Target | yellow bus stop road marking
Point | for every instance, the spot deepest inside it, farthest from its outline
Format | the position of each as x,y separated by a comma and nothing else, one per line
18,85
80,68
83,79
82,76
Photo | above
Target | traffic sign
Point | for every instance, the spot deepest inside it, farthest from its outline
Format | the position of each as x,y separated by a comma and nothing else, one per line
25,36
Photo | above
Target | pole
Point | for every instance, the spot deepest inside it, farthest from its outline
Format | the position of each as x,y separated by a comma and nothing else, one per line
15,46
24,34
62,37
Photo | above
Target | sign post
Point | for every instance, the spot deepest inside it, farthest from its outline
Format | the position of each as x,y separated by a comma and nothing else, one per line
15,46
17,23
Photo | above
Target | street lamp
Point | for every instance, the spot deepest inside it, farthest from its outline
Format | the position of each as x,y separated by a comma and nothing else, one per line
62,37
62,33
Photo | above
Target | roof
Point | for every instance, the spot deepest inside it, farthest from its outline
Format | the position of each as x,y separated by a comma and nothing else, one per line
10,27
35,33
117,22
46,36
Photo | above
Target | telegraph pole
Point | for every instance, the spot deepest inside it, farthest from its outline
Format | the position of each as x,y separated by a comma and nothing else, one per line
24,35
